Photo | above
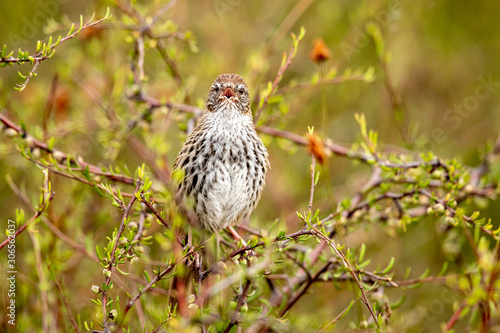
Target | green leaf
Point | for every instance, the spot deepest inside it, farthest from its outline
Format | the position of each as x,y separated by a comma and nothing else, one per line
443,269
363,264
49,44
97,302
475,215
81,24
91,18
302,32
57,42
316,178
122,272
98,252
424,274
315,215
71,29
147,276
362,251
119,194
348,309
391,263
107,16
399,302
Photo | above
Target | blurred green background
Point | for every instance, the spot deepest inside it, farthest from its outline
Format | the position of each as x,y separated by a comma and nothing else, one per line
444,64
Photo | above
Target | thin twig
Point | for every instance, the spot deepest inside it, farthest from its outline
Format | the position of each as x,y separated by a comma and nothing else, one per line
153,210
38,56
154,280
339,253
309,85
345,152
67,306
113,254
340,315
453,212
241,300
303,291
63,158
276,82
48,51
313,183
456,316
65,238
38,213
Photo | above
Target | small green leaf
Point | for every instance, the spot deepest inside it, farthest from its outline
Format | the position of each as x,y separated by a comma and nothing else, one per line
391,263
399,302
107,13
71,29
364,264
362,251
122,272
97,302
81,23
147,186
147,276
475,215
57,42
302,32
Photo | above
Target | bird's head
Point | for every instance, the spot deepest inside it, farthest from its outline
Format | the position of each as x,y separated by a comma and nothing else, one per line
229,90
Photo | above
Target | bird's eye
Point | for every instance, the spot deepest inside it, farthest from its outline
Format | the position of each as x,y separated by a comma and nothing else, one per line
241,89
216,88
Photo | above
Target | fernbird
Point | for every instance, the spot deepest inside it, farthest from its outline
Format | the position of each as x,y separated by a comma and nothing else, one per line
223,161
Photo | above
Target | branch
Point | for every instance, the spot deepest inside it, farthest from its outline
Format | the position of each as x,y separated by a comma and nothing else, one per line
308,85
345,152
241,300
340,315
38,213
339,253
153,281
63,158
287,60
157,278
313,184
153,210
65,301
303,291
453,212
113,254
45,51
456,316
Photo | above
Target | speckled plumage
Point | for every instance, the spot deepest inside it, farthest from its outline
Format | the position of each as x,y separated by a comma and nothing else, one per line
223,159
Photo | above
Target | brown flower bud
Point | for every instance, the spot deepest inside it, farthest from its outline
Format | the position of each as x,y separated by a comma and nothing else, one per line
316,147
320,52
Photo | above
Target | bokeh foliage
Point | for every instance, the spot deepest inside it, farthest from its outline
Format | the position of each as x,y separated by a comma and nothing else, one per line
399,200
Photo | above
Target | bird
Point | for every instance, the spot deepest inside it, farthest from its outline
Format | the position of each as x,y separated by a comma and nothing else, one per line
223,163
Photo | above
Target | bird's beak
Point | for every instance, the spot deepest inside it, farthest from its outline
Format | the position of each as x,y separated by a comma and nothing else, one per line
228,93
